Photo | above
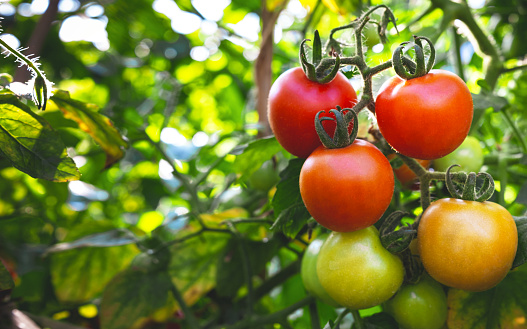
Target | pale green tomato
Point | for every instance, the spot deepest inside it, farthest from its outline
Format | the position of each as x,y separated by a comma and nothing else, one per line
308,271
357,271
419,306
265,177
469,155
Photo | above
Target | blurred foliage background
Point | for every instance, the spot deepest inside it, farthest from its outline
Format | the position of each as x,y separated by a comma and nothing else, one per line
186,214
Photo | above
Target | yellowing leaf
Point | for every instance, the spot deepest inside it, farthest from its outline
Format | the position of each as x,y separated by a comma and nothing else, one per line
500,307
99,127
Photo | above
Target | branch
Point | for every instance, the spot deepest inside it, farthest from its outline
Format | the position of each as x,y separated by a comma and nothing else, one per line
36,40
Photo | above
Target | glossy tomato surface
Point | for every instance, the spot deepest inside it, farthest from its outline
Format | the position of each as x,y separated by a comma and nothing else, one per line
467,245
419,306
356,270
426,117
347,189
294,100
308,271
469,157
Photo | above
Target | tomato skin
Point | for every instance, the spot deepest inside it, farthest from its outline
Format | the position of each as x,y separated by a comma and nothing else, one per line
294,100
426,117
467,245
308,271
419,306
356,270
469,156
347,189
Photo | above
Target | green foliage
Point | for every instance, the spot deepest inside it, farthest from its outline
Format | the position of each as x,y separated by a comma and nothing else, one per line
290,212
6,281
31,144
163,226
132,296
96,125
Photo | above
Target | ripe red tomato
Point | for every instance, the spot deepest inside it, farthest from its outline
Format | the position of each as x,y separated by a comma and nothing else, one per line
294,100
356,270
347,189
420,305
467,245
426,117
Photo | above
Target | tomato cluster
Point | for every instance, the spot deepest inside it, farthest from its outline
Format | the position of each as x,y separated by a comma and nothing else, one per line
347,184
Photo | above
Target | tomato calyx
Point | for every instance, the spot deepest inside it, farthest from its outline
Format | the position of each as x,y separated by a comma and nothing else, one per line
341,138
313,70
395,236
406,68
469,190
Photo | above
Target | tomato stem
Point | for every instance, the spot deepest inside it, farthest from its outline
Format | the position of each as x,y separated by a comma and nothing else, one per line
357,319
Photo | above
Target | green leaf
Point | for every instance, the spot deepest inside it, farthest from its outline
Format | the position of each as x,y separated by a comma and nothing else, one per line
521,253
289,209
133,296
522,195
118,237
378,321
193,265
99,127
291,220
6,281
230,275
255,154
484,101
31,144
79,275
499,307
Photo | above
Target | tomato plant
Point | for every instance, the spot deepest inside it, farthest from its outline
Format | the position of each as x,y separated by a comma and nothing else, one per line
425,117
468,245
308,271
356,271
420,305
405,175
469,156
293,102
349,188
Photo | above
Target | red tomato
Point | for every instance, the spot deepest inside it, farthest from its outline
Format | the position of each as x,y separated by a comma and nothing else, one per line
347,189
294,100
426,117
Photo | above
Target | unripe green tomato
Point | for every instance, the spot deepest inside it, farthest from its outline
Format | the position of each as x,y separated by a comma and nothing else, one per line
469,155
357,271
308,271
419,306
265,177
